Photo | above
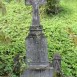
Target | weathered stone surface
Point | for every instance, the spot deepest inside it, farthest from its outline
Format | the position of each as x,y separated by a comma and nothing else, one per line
57,63
36,45
38,73
35,5
37,1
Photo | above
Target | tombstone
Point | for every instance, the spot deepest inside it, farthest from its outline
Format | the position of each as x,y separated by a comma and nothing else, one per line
36,42
56,63
36,46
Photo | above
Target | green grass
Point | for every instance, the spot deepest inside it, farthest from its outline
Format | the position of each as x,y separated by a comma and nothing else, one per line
15,25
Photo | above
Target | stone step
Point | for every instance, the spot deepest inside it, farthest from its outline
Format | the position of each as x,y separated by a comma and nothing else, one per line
47,72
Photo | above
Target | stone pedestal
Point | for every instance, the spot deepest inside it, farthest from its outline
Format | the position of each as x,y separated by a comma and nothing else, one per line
36,54
47,72
36,45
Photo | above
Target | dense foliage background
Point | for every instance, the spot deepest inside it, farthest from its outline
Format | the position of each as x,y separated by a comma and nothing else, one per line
60,30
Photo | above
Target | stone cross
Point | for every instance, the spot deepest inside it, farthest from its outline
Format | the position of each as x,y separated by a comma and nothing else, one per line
35,4
36,47
36,44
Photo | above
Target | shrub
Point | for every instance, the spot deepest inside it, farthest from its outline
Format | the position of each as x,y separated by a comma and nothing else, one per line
52,6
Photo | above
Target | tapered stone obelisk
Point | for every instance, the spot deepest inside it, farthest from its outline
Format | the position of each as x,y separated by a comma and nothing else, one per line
36,45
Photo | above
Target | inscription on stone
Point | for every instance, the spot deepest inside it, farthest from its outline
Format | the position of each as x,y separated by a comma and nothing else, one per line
37,51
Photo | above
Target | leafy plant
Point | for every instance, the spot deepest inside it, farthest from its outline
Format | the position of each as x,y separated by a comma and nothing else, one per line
53,6
2,7
14,27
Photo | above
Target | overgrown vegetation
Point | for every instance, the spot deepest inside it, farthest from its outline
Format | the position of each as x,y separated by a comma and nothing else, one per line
53,6
2,8
60,30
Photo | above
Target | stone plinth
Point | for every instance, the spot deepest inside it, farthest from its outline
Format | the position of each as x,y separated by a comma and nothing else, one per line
36,45
45,72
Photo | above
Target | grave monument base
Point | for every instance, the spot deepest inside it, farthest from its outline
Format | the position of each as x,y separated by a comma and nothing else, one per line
36,48
45,72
